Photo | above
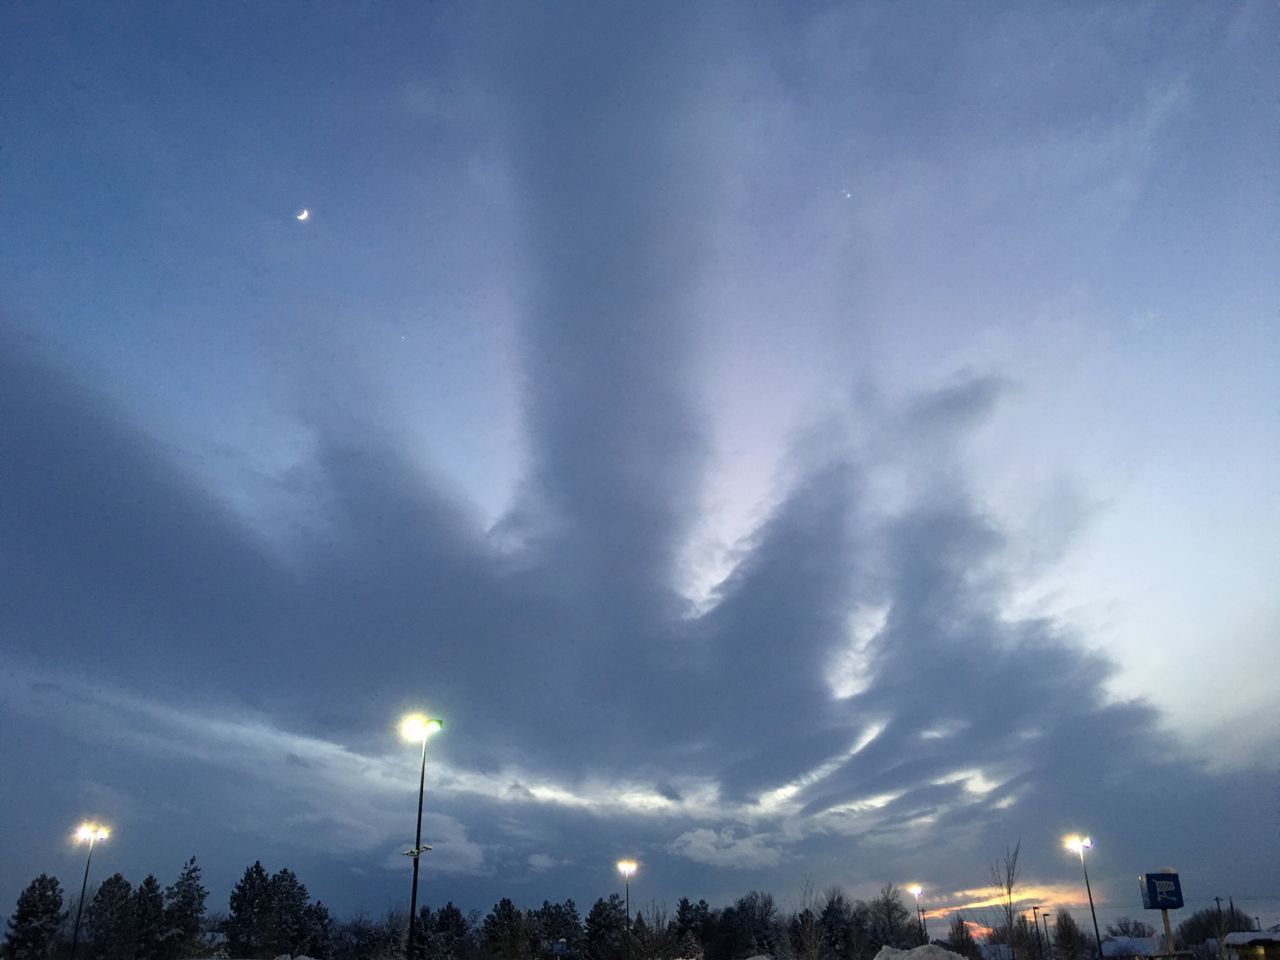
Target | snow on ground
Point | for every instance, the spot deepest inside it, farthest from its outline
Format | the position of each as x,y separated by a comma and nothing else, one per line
927,952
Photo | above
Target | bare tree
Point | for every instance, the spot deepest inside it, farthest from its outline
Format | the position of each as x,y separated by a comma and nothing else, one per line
804,928
1003,872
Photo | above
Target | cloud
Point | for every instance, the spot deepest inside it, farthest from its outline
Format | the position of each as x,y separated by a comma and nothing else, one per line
726,848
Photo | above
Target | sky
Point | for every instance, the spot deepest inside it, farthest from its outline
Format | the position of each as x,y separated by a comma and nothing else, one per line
785,443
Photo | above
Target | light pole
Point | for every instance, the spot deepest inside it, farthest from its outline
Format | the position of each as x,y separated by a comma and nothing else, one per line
1047,941
413,728
1035,922
89,833
1079,845
915,890
628,870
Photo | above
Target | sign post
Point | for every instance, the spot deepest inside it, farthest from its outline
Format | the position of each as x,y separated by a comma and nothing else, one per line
1163,892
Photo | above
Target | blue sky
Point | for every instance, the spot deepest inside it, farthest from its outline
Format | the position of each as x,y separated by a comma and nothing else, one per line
785,444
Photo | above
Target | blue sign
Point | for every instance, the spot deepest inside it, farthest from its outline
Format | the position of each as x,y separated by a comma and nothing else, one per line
1161,891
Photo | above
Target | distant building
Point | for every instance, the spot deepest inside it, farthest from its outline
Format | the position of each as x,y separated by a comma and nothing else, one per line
1253,944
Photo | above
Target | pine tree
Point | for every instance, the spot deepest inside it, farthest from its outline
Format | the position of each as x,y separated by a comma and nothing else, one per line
33,929
286,915
452,933
109,920
607,929
184,909
248,916
505,932
148,919
320,936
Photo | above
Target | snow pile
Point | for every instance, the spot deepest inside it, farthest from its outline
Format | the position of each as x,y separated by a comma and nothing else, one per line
927,952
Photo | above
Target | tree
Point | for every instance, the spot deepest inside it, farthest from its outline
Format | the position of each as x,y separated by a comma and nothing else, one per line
961,939
1069,941
505,934
110,922
693,926
184,907
318,941
606,929
757,918
1124,927
453,933
837,913
890,922
248,914
363,938
284,928
1213,923
33,929
148,919
556,922
1003,872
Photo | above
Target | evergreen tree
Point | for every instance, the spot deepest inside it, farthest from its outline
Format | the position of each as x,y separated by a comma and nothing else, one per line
834,920
758,921
33,929
249,913
606,929
453,934
109,920
319,942
505,933
184,908
285,922
148,919
691,921
961,939
555,922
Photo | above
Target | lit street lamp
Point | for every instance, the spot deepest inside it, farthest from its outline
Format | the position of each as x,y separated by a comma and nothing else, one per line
413,728
628,870
1079,845
89,833
915,890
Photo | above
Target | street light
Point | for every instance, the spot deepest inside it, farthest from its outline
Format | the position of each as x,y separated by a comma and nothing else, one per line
1035,922
1047,942
1078,844
915,890
628,870
89,833
415,727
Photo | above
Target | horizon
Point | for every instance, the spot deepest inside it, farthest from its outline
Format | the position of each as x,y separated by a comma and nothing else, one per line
783,445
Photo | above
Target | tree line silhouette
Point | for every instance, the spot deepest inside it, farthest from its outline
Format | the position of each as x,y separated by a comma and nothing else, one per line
271,915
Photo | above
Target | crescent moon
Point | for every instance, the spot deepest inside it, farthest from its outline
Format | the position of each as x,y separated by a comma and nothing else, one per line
304,215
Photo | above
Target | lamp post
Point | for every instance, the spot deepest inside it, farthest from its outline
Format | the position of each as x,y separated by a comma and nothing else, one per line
915,890
89,833
628,870
1079,845
1035,922
1047,941
413,728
